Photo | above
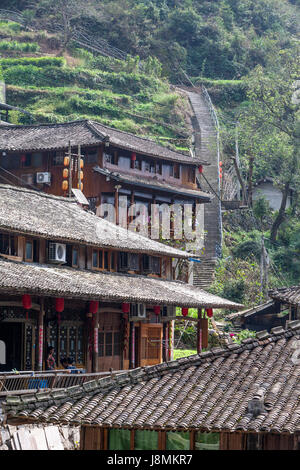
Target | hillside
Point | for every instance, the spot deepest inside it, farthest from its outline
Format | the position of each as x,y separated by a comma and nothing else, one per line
119,61
79,85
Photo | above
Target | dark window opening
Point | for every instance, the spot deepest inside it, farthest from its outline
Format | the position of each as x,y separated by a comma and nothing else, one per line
123,261
8,245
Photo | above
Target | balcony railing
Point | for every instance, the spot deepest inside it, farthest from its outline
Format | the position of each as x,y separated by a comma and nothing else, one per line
31,382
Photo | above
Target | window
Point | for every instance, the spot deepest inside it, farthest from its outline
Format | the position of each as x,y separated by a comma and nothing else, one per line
29,251
124,162
146,263
101,259
10,162
75,257
112,261
8,245
109,344
155,262
137,164
176,171
123,261
110,158
134,262
91,156
58,158
151,264
159,168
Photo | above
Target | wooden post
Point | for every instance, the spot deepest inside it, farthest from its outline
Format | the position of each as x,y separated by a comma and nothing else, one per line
132,346
132,435
41,333
78,169
70,170
199,332
95,346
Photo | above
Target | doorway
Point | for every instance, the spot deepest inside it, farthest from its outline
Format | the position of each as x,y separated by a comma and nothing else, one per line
11,335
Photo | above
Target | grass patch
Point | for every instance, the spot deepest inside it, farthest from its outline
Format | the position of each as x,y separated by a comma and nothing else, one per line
178,353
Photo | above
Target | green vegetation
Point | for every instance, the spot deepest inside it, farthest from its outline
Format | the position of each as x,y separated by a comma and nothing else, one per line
245,52
178,353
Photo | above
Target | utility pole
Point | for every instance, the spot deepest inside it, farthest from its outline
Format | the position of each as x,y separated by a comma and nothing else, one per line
264,266
237,158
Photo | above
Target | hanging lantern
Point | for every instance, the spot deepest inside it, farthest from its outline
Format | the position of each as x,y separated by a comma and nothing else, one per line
65,173
133,157
93,307
81,164
80,186
23,158
156,309
209,312
66,161
185,312
27,303
125,308
200,168
59,307
81,175
65,185
59,304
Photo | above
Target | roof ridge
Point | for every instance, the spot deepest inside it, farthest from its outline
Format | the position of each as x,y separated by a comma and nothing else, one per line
36,192
45,124
147,139
15,404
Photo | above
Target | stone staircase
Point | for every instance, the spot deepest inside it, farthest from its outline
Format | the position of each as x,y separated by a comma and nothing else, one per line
204,273
206,147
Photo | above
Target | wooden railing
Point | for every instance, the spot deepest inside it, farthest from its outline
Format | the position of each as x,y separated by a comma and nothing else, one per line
31,382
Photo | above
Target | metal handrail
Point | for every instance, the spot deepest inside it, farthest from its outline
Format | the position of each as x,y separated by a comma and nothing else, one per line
16,383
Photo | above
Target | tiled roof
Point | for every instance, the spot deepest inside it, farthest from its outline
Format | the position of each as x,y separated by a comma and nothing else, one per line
218,390
288,295
84,132
264,308
153,183
36,279
62,219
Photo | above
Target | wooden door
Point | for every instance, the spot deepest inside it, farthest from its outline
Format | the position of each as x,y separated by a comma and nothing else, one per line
150,344
109,341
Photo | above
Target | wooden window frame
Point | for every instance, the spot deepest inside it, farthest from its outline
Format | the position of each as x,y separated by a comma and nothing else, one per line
102,266
103,345
77,249
29,260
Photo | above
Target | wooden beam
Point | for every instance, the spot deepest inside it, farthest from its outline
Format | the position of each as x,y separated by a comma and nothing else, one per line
11,303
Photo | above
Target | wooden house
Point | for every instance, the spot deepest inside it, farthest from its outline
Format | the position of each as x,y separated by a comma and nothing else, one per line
94,291
116,165
283,306
242,397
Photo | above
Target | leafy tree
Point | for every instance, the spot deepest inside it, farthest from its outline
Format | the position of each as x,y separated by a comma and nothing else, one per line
274,117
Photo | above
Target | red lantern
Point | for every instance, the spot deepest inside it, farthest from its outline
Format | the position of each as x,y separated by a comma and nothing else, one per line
125,308
93,307
185,312
209,312
200,168
26,301
59,307
133,157
59,304
157,309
